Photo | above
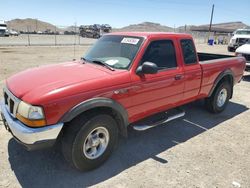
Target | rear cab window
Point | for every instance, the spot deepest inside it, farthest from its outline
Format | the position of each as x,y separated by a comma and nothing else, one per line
162,53
188,51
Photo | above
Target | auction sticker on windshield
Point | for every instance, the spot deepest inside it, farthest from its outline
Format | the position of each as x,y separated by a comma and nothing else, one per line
130,41
112,61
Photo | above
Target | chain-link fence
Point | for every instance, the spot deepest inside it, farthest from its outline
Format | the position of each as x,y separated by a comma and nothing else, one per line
47,35
36,35
46,40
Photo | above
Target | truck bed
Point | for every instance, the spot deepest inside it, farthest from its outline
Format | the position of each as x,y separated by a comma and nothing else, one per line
212,67
207,56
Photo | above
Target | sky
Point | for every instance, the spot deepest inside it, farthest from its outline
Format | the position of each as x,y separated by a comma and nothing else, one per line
119,13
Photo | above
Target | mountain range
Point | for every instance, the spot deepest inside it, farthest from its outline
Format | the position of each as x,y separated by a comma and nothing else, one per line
30,24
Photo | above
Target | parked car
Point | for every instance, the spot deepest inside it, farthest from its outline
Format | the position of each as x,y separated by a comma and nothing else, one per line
240,37
122,81
244,51
94,31
90,31
106,28
13,33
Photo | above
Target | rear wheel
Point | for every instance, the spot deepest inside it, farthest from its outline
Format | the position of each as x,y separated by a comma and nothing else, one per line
88,141
218,101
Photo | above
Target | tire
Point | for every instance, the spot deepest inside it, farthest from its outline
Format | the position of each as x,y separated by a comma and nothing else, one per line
216,105
85,131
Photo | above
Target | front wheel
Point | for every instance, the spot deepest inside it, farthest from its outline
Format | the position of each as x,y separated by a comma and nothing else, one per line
89,141
218,101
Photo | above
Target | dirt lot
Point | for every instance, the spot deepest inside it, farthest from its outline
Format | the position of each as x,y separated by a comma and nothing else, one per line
200,150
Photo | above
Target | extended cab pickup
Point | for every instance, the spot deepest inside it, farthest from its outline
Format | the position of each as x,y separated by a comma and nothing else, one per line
123,79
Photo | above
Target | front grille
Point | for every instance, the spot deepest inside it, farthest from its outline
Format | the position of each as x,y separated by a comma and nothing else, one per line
12,104
247,56
5,98
10,101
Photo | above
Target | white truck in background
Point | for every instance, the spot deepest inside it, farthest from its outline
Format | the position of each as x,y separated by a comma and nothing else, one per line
3,29
239,38
244,51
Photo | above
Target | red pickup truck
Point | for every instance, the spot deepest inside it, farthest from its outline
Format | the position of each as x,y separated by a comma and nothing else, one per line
124,79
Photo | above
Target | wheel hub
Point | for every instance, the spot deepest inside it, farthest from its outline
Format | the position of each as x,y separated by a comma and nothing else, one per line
222,97
96,143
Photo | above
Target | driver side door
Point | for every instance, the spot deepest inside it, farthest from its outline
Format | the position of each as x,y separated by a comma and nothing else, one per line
154,93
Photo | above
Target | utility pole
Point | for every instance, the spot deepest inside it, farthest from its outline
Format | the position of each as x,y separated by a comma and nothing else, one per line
28,31
210,25
75,42
55,35
211,19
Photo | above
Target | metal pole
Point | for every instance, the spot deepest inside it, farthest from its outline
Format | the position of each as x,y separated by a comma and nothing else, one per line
28,35
75,43
79,39
211,20
55,36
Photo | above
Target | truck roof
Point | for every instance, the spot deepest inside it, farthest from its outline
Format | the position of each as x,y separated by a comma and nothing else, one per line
152,34
245,29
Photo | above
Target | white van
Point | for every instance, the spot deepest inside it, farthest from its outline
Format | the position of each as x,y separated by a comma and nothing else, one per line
3,29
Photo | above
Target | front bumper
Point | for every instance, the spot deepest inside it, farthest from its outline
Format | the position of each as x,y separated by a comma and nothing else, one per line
233,46
31,138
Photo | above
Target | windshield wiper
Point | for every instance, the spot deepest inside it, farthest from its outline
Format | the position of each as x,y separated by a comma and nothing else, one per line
85,60
100,62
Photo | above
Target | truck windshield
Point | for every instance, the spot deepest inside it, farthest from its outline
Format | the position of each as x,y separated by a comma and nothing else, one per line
243,32
115,50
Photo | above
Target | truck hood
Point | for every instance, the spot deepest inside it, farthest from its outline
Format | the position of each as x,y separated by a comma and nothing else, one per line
44,79
244,49
241,36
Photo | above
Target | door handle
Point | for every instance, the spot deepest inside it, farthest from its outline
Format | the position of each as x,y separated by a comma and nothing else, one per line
178,77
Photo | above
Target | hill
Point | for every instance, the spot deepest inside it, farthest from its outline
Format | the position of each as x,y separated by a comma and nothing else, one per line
226,27
38,25
145,26
229,25
31,25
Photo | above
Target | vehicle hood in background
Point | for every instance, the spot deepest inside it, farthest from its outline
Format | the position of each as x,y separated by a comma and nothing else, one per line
244,49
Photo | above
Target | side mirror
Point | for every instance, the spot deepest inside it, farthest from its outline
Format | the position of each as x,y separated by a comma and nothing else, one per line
147,68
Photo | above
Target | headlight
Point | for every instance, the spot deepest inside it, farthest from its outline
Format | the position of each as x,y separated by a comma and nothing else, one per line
233,41
32,116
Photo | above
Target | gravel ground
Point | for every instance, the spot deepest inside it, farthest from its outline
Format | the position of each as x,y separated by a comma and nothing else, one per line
200,150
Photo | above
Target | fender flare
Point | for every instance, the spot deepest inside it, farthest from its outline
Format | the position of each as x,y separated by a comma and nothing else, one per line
227,72
95,103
